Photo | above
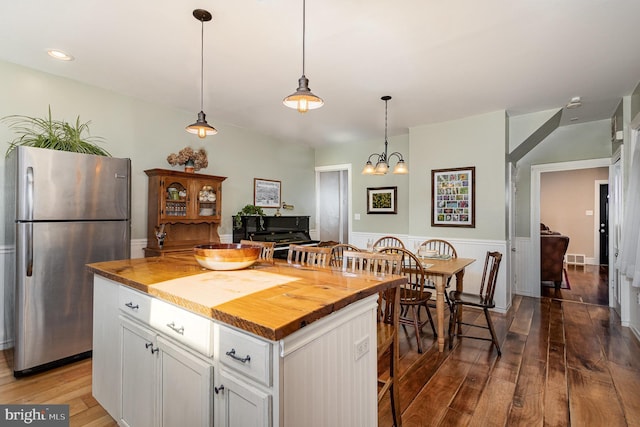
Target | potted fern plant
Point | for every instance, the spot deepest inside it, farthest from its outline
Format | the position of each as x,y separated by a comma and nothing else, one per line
53,134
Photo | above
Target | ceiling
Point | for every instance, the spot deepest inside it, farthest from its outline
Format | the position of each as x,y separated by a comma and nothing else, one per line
439,60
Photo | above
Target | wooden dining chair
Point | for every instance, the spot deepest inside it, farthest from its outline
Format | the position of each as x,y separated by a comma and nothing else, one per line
443,248
483,300
313,256
335,259
266,249
387,325
388,242
414,295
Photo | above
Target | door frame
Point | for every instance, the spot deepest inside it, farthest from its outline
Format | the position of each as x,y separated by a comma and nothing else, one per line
596,217
335,168
536,171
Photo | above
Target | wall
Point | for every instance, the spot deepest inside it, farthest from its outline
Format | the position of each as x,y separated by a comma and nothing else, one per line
147,133
356,154
478,141
565,197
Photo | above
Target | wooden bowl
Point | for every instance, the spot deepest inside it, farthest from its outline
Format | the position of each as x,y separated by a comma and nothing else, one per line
226,256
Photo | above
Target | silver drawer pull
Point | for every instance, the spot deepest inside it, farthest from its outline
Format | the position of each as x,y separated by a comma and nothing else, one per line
131,306
232,354
179,330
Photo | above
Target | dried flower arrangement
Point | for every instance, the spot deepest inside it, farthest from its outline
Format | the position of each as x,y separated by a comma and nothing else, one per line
199,158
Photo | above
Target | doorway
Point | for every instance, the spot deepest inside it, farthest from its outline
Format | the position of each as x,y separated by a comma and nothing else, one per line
533,284
333,203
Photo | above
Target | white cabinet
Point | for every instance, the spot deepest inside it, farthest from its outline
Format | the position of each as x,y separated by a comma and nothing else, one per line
239,404
162,383
186,384
139,378
156,364
105,383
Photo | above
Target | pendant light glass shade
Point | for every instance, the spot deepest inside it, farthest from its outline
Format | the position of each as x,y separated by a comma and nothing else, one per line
201,127
303,99
382,162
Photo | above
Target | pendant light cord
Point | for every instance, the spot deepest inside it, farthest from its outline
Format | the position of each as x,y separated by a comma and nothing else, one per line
201,64
303,32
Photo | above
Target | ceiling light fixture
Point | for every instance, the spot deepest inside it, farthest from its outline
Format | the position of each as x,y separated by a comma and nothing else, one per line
382,163
303,99
575,102
60,55
201,127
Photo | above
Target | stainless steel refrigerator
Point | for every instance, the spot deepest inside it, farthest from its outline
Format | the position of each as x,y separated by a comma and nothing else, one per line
65,210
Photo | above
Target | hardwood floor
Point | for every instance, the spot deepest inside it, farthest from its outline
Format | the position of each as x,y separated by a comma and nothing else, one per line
564,362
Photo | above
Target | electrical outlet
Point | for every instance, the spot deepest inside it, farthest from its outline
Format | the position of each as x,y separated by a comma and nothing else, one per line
361,347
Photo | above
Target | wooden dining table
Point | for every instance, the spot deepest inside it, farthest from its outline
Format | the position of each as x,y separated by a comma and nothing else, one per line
440,270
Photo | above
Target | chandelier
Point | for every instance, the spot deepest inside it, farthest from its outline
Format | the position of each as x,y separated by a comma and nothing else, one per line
382,160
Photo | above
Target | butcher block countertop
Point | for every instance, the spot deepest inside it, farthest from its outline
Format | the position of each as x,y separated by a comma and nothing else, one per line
269,300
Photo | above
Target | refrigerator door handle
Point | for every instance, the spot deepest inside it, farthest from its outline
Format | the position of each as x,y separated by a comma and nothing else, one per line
29,194
29,245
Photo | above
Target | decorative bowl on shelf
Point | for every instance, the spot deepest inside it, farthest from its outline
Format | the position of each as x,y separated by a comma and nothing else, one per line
226,256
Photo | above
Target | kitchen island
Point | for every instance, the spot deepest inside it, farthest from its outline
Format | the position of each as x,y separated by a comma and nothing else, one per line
270,345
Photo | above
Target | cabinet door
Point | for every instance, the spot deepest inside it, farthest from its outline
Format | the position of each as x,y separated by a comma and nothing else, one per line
206,199
175,203
239,404
186,386
105,383
139,373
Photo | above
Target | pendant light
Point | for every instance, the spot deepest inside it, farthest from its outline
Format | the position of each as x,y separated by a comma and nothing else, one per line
303,99
382,162
201,127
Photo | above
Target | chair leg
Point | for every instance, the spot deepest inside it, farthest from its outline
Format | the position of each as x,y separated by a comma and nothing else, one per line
453,315
394,391
494,339
433,326
416,326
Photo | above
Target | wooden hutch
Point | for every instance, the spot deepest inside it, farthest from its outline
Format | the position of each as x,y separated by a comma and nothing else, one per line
185,210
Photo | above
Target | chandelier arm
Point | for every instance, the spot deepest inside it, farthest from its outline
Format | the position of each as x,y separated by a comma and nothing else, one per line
374,154
398,155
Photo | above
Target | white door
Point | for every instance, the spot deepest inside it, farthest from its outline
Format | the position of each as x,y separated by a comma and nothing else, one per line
238,404
333,203
615,229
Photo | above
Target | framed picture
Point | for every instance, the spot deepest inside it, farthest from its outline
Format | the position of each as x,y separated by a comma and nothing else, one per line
453,197
382,200
266,193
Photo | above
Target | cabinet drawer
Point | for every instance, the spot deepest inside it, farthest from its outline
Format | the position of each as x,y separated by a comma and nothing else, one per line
183,326
245,354
134,304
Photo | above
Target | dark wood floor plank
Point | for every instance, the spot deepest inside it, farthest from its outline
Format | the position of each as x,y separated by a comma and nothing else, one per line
528,398
494,404
556,397
627,382
593,402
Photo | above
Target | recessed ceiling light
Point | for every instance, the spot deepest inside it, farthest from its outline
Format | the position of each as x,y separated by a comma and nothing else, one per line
575,102
60,55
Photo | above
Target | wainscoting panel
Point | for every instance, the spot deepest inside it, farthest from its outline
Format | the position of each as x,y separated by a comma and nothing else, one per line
524,267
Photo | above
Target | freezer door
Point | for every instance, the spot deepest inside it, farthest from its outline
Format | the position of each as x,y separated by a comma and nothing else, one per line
56,185
54,290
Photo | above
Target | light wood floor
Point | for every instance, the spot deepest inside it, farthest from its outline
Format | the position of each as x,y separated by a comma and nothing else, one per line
564,363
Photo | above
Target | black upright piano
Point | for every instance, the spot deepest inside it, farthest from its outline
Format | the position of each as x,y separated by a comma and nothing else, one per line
283,230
